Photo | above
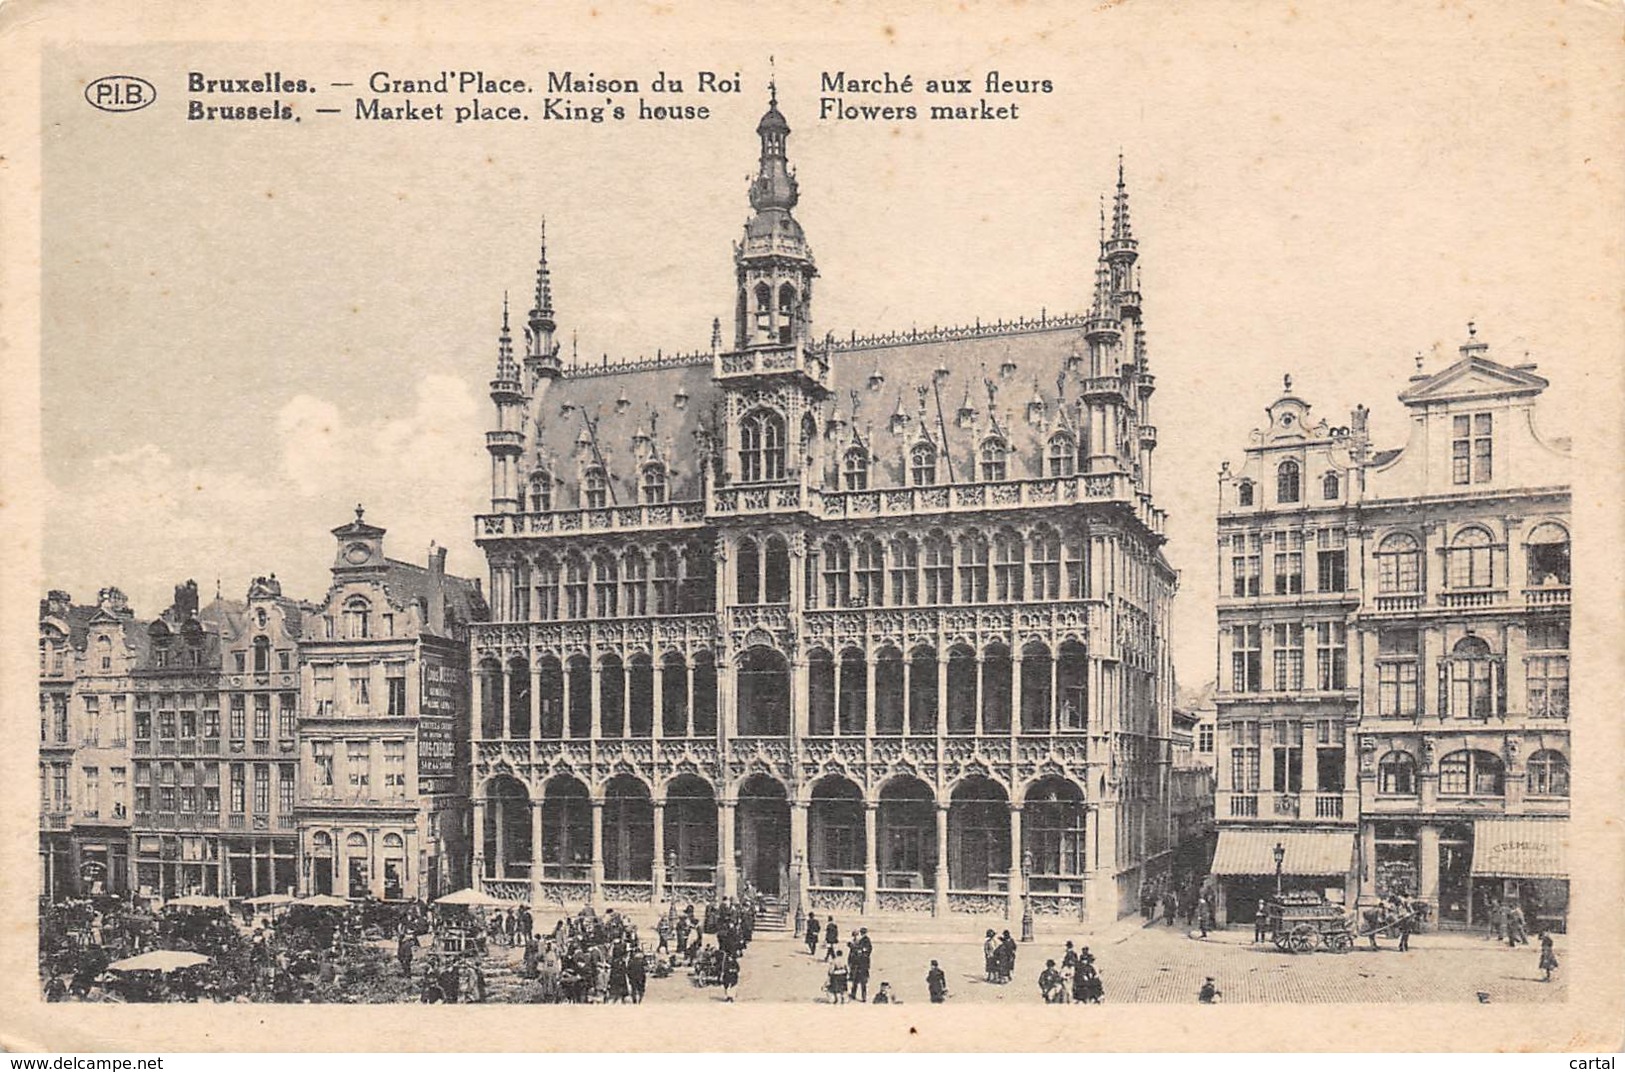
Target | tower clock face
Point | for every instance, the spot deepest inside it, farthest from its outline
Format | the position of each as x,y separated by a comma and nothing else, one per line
357,553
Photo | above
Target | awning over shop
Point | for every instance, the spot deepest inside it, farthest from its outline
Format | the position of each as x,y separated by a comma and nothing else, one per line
1521,848
1308,852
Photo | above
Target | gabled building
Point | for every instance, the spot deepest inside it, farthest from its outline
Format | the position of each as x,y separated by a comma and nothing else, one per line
863,624
1395,626
383,724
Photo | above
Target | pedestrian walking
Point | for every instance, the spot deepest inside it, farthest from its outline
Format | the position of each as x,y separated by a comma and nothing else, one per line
811,936
836,981
1517,926
832,938
1210,993
1261,922
1406,925
637,976
1548,958
404,945
1007,958
730,976
936,983
1204,916
990,956
663,935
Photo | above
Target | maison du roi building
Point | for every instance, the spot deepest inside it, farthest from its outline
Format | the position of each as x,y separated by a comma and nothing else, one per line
268,745
1393,652
873,624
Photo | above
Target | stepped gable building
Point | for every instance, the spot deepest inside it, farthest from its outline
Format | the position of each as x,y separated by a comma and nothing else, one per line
860,624
1408,732
382,732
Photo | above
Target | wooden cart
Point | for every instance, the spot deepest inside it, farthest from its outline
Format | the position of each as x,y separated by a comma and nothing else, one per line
1305,922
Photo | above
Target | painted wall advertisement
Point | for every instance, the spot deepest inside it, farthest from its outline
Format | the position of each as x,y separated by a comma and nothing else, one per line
438,712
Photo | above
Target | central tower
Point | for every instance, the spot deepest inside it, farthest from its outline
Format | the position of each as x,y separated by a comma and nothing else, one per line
774,266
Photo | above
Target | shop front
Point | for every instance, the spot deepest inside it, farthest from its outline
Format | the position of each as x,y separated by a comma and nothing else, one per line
1522,862
1253,865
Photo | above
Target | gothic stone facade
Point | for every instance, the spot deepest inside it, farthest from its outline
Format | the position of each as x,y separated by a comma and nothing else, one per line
1394,631
870,624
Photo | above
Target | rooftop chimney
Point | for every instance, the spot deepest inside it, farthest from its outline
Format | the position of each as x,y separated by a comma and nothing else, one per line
437,589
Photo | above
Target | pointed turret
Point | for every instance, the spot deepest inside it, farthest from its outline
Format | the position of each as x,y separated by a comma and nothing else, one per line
775,266
505,442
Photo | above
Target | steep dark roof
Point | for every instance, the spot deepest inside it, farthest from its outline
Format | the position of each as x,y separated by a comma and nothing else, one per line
409,583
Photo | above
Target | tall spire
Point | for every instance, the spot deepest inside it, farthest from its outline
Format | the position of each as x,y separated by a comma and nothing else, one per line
1121,228
774,186
542,314
506,369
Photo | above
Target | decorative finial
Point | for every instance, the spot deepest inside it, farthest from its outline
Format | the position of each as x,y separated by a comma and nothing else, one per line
1472,330
504,310
1418,361
772,82
1286,382
359,511
1102,219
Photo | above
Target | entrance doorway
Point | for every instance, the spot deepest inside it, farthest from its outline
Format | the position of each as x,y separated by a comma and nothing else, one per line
762,842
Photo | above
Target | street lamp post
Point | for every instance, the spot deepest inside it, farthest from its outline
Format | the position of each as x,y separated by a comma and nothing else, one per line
801,909
1026,896
1280,857
671,880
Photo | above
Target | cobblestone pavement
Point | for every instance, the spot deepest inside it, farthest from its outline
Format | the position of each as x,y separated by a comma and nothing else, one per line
1165,965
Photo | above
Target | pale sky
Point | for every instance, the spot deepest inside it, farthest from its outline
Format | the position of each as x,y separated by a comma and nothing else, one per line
248,329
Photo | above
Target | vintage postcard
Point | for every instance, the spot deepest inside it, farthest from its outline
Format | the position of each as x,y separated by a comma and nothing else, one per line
1097,525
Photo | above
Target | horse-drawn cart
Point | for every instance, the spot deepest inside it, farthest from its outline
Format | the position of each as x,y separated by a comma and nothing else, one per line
1305,922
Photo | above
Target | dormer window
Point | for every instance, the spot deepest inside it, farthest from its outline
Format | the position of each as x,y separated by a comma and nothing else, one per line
654,483
1471,448
1288,482
857,470
1063,455
1244,493
595,489
541,491
994,463
357,619
923,465
761,447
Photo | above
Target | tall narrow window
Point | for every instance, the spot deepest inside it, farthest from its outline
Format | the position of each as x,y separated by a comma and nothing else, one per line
665,580
994,465
939,570
357,619
787,313
837,573
1472,678
973,581
857,470
748,569
1331,560
761,447
635,584
1010,567
546,575
1244,493
1331,656
1046,563
870,567
1398,655
605,603
1472,448
1063,455
1288,656
1288,563
1547,669
1288,482
905,571
923,465
575,587
776,571
1331,487
1548,552
1246,659
1399,564
541,491
654,483
764,313
595,489
1246,563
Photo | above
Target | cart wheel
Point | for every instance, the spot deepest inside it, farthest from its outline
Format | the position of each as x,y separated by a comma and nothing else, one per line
1341,942
1303,939
1283,941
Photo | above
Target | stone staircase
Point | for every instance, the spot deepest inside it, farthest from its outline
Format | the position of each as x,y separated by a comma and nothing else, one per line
774,915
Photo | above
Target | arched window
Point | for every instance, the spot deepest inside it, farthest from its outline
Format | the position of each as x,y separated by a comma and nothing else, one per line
104,653
1244,493
357,619
262,655
820,693
1548,550
776,571
764,313
634,584
546,574
905,571
654,483
1472,558
1073,550
1007,580
994,464
1046,563
1063,455
1399,564
1472,773
575,586
922,462
1330,487
837,573
1396,775
665,580
1548,774
1287,482
761,447
973,568
748,570
856,470
870,565
541,491
787,313
1473,679
939,569
595,489
764,693
603,585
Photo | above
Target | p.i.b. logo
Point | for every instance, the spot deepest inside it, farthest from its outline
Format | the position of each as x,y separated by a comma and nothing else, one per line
120,93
